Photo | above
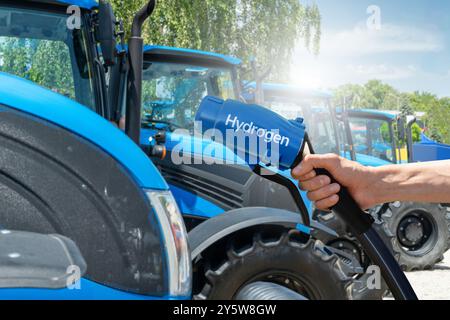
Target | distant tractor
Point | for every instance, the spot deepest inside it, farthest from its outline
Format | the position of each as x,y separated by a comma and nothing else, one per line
419,232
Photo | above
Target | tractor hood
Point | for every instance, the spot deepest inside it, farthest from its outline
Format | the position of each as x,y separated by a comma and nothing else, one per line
30,98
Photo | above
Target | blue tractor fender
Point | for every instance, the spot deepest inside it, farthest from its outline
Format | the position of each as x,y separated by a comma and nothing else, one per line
228,223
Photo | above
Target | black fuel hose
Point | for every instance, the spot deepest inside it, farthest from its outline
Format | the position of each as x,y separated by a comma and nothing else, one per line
360,223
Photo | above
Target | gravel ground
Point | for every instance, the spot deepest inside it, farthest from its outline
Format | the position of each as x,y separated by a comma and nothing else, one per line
434,284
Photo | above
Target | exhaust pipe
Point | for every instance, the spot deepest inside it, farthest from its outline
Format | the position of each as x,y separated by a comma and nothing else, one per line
134,82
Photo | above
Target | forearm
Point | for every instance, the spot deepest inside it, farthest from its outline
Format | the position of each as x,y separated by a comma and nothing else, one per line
421,182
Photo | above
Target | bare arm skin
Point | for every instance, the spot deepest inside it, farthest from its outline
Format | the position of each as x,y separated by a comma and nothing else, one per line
420,182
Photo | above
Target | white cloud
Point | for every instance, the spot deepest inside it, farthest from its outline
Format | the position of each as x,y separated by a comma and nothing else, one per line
315,73
382,71
361,41
357,55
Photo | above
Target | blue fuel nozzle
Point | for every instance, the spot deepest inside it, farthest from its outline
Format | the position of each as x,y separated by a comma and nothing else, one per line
276,138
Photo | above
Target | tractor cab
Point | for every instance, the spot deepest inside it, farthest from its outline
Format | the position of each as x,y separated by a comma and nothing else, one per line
377,134
313,106
176,80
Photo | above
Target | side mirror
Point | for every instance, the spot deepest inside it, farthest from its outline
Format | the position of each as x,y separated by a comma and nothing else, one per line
32,260
105,32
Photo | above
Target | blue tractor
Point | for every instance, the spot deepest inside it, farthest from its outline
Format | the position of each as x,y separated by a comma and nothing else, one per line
419,232
209,181
67,169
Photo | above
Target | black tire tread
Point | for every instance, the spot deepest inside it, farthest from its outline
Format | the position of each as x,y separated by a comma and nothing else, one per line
383,224
315,249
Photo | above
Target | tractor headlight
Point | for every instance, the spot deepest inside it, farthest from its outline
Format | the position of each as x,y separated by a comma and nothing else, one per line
176,242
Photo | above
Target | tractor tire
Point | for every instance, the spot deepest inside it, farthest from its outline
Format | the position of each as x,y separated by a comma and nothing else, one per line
348,243
276,255
345,241
417,233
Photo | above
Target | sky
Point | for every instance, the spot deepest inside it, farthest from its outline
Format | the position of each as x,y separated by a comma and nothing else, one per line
406,45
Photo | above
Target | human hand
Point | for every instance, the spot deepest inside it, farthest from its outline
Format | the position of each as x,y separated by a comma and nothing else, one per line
355,177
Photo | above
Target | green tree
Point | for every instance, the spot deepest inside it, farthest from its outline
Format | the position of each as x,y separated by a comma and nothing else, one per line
51,67
44,62
373,95
416,132
266,29
15,56
349,96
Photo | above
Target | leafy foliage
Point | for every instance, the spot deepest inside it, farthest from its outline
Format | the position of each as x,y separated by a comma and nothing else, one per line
373,95
44,62
266,29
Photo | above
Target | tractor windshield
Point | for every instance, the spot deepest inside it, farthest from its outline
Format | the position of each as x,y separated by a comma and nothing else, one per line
173,92
372,137
38,46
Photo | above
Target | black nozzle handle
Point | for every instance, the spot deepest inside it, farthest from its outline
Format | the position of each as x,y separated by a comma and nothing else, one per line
347,208
140,17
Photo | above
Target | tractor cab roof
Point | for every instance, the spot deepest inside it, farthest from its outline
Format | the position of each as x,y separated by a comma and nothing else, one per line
181,55
373,114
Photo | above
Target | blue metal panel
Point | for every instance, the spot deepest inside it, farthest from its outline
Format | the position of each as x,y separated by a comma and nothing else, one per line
193,205
88,290
429,150
85,4
366,160
232,61
193,145
26,96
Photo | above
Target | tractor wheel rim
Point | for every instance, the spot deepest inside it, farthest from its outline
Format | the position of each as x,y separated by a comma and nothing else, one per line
417,233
